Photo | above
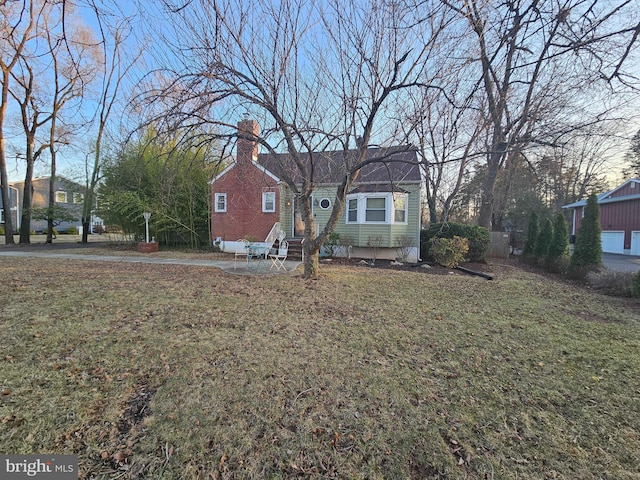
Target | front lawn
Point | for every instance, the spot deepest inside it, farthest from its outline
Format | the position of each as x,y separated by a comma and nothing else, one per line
180,372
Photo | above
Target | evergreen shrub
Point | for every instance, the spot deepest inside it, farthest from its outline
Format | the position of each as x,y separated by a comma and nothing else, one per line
545,237
587,252
478,238
449,252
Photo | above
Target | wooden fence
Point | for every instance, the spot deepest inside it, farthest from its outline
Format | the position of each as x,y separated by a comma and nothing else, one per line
498,245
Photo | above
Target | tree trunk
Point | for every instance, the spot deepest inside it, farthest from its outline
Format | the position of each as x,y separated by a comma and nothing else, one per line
486,207
6,204
488,195
27,204
311,262
310,246
85,229
52,199
4,179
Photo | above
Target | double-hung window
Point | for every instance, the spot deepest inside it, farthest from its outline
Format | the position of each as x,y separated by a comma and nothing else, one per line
61,197
268,202
352,210
220,202
399,208
376,209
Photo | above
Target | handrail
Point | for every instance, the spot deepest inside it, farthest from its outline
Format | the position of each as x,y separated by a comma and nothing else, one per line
273,234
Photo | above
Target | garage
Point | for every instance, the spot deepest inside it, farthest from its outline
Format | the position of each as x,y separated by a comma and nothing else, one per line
635,243
613,241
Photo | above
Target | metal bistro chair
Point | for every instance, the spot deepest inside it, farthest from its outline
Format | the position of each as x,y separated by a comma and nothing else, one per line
277,259
242,250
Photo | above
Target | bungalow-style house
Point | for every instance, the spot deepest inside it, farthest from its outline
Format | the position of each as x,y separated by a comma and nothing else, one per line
13,208
619,218
382,209
68,194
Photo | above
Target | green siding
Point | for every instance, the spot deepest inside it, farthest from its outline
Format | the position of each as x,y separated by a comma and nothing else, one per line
286,212
358,233
361,233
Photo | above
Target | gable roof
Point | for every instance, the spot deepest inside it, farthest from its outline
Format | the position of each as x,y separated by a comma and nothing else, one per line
609,196
235,163
395,164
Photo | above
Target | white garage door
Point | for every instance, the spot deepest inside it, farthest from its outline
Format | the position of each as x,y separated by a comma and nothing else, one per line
635,243
613,242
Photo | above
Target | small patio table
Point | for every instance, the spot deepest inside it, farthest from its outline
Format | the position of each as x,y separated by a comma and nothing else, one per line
259,251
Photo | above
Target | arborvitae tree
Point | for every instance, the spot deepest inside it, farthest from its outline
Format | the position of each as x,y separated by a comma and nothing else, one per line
543,241
587,253
533,230
559,246
558,254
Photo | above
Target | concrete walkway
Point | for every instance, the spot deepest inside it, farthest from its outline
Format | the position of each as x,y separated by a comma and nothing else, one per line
225,265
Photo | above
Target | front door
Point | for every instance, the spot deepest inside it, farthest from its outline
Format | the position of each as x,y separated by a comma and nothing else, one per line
298,222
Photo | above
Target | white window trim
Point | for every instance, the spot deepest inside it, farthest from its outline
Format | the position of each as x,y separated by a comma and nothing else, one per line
216,196
406,208
389,208
1,215
387,216
62,192
264,202
351,197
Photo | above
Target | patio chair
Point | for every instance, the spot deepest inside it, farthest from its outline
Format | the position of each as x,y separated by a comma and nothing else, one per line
277,259
242,250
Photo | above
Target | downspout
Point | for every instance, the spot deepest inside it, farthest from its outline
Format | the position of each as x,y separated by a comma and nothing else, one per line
419,225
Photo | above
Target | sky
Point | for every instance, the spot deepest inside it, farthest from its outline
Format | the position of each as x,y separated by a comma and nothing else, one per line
71,160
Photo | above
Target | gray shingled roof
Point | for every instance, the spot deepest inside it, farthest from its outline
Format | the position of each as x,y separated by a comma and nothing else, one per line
397,164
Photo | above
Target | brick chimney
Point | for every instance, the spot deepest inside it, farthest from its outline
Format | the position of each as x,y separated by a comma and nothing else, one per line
247,146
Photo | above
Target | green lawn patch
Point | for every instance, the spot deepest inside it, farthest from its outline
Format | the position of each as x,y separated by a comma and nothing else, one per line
179,372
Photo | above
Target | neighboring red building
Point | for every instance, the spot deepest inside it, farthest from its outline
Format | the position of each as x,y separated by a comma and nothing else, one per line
245,196
619,218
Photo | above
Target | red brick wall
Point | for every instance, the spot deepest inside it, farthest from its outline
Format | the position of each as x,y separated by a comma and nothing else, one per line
243,184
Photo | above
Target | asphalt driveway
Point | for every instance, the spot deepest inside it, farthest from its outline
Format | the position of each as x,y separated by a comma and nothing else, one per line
621,263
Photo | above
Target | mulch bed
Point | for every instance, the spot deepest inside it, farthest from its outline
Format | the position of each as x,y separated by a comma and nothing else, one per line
423,267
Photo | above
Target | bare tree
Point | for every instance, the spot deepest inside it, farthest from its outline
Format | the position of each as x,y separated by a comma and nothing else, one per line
71,68
33,116
632,157
17,21
446,129
115,65
568,172
322,75
533,57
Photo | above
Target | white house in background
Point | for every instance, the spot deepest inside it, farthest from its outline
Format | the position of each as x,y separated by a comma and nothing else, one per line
68,194
14,208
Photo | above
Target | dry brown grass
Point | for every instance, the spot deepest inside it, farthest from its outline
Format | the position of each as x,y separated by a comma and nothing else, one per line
156,371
